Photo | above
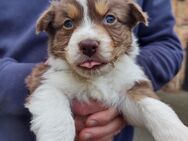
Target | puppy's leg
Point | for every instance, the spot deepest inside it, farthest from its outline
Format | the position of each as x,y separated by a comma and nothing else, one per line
143,109
52,119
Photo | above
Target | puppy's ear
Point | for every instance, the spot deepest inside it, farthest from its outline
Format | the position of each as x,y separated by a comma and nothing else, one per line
137,14
45,21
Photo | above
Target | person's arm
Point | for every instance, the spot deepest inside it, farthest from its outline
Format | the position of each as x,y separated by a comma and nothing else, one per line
161,53
12,87
20,50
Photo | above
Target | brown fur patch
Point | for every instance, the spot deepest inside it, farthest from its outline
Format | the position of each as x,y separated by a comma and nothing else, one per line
35,78
128,14
53,19
142,90
44,20
101,7
59,43
137,14
72,11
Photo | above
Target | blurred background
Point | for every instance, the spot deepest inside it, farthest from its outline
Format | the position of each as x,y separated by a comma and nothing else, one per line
181,13
175,93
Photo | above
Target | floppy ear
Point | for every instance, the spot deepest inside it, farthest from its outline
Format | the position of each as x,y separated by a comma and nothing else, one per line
45,21
137,14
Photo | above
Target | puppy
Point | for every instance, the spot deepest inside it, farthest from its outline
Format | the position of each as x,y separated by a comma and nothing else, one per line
92,53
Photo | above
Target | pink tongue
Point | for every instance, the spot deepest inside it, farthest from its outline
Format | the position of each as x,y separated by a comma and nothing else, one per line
90,65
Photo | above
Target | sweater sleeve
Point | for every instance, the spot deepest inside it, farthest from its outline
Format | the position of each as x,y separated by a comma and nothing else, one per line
12,87
20,50
161,53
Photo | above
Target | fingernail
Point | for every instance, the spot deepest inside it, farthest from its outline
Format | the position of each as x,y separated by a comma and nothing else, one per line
92,123
87,136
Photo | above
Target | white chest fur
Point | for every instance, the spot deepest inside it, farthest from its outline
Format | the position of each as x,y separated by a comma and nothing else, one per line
51,110
107,88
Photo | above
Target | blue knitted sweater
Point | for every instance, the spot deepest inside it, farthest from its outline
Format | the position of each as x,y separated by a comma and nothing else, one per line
21,49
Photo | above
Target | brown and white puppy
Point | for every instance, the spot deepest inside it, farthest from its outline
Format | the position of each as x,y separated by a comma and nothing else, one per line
92,56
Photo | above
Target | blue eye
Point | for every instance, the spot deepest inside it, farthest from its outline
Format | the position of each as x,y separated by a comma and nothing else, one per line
110,19
68,24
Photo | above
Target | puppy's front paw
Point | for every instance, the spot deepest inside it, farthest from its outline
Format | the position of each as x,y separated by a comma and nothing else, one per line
69,131
183,134
180,134
53,126
54,131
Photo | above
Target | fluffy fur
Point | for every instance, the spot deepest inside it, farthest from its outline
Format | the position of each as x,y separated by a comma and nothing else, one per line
118,82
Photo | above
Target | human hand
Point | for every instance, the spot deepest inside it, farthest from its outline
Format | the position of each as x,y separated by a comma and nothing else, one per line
95,122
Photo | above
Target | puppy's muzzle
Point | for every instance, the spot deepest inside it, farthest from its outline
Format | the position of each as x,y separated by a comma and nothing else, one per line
89,47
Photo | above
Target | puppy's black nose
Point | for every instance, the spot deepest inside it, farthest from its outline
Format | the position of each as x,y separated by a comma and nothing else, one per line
89,47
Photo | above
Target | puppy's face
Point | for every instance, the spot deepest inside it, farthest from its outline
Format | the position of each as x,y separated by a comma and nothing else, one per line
90,34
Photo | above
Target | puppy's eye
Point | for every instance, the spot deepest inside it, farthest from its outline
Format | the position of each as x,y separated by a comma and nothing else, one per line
110,19
68,24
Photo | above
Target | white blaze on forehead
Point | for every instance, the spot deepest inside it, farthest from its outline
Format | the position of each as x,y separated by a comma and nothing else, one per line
84,4
88,30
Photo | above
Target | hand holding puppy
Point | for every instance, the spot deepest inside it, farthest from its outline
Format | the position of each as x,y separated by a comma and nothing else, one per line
95,122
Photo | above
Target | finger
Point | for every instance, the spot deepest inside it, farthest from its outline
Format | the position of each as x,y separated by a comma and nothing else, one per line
79,123
102,131
84,109
102,118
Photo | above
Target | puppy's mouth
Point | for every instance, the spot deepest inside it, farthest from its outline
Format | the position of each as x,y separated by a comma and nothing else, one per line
91,64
